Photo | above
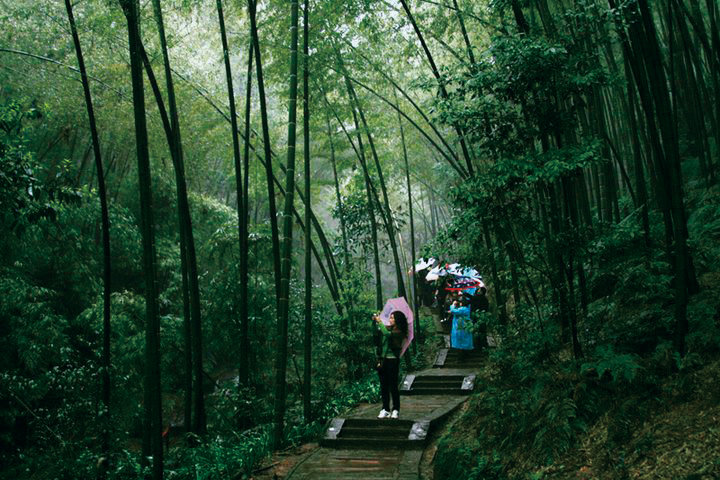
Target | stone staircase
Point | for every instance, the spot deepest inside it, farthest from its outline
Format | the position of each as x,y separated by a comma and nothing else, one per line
362,446
428,396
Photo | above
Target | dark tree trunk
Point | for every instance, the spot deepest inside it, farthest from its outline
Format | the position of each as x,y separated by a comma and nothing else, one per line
637,156
185,221
267,150
466,38
244,231
187,321
307,341
152,439
283,303
241,208
661,99
413,258
103,463
338,197
692,80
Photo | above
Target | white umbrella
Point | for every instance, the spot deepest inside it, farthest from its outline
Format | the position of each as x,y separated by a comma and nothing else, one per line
435,273
423,264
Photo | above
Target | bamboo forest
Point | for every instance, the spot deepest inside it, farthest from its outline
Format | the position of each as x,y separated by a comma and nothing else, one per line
359,239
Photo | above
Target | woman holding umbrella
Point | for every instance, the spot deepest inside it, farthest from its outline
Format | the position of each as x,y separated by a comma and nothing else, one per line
392,337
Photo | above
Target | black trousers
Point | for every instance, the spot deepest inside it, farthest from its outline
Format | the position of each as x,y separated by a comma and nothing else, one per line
388,373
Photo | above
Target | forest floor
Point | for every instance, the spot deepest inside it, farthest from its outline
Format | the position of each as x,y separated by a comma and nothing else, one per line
679,439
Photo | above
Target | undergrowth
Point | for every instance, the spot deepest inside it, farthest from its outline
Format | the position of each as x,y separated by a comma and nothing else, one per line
535,404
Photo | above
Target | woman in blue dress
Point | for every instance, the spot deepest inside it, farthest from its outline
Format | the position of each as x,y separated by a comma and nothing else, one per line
461,336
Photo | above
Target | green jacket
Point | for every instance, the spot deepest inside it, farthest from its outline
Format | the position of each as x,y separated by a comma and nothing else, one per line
391,341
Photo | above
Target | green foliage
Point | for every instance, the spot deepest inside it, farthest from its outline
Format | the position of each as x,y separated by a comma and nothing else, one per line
622,368
453,461
221,458
354,212
704,323
462,461
704,228
28,189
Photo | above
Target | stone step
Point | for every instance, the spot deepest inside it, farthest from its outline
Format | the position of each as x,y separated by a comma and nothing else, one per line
452,383
466,365
332,473
437,382
375,434
424,389
373,443
473,360
373,428
437,391
470,354
377,423
365,432
457,361
453,358
439,378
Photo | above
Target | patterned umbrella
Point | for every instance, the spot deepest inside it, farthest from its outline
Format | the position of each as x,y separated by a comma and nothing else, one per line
393,305
468,285
466,280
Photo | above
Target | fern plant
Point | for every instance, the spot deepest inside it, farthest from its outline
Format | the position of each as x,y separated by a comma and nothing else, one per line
621,367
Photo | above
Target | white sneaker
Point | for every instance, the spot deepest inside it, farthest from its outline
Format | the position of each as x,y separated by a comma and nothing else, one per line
384,414
395,414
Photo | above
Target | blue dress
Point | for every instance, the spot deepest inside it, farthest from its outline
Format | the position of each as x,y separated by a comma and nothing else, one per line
459,337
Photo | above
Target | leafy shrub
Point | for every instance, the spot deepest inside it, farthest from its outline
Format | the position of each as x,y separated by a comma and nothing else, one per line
622,368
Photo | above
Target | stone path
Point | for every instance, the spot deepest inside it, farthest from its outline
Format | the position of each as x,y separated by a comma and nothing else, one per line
361,446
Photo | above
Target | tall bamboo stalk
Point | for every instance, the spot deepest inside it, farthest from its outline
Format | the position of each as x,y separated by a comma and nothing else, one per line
199,418
105,220
272,209
152,438
307,340
240,191
283,304
244,230
413,258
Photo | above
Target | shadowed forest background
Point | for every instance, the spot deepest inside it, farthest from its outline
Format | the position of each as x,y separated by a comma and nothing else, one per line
202,203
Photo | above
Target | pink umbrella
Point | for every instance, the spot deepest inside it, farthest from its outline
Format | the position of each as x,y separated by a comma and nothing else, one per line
393,305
